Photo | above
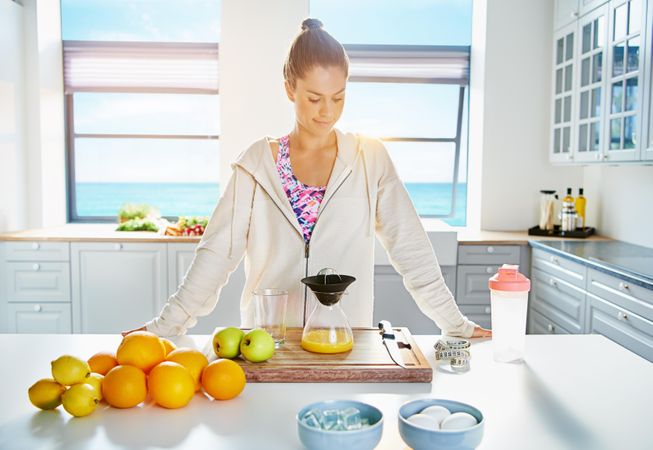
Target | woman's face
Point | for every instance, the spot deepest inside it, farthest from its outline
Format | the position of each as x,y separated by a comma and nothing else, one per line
319,98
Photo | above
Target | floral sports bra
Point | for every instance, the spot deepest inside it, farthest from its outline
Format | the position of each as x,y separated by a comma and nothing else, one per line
305,200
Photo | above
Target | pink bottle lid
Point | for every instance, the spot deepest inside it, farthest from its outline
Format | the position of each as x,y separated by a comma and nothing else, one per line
508,278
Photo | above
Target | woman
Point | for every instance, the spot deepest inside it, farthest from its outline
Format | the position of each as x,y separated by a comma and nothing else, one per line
315,198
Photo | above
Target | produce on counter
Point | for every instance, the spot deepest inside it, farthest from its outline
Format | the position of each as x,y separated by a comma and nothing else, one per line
188,226
138,225
131,211
143,364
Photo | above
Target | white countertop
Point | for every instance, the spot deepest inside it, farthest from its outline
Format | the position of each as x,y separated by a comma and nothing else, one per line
580,392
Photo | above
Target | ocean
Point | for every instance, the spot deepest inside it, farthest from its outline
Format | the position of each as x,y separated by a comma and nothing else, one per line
199,199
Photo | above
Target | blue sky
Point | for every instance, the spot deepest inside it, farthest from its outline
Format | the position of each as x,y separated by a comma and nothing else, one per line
405,110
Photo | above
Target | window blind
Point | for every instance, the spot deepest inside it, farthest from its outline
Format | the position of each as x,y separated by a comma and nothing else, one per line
409,63
140,67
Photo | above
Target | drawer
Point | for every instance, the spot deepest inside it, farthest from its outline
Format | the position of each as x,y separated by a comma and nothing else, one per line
472,284
479,314
37,281
563,268
622,326
39,318
539,324
622,293
37,251
570,324
558,295
488,254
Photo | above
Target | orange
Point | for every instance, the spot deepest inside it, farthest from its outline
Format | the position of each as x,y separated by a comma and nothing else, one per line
191,359
141,349
168,344
102,362
124,386
223,379
171,385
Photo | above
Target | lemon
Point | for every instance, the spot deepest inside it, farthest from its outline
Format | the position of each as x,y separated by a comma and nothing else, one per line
46,393
95,380
69,370
80,399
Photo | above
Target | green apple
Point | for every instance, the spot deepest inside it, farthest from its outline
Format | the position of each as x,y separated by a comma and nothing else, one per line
257,345
226,342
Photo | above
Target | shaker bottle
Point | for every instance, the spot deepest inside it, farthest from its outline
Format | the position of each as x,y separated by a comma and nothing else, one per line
509,303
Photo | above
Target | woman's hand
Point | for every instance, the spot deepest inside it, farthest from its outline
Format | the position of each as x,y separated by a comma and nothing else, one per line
481,332
125,333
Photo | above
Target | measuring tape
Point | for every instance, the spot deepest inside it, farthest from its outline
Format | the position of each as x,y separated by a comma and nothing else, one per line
455,351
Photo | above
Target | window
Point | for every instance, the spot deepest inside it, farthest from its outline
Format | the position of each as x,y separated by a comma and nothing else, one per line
409,86
142,109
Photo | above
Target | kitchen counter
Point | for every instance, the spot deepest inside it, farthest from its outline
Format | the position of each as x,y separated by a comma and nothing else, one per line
633,262
79,232
579,391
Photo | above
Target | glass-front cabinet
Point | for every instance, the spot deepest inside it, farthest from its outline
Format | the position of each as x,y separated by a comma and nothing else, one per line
624,79
647,150
564,69
590,97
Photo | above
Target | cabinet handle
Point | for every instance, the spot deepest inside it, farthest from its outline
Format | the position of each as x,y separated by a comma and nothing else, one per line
622,316
37,308
488,310
489,269
35,246
551,328
554,260
553,282
574,14
118,246
623,286
490,249
36,266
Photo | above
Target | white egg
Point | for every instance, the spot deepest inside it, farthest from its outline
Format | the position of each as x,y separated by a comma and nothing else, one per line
424,421
458,421
437,412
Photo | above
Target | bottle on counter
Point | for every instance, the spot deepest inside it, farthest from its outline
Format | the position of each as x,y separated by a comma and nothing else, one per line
580,207
568,198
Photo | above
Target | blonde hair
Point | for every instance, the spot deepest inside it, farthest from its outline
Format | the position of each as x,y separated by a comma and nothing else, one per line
312,47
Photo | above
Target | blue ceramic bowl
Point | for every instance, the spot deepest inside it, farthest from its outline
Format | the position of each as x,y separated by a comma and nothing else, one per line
363,439
421,439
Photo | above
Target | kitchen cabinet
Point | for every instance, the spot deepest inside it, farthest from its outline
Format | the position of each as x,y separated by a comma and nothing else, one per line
394,303
589,109
539,324
586,6
647,147
227,311
117,286
39,318
624,79
564,71
35,283
565,12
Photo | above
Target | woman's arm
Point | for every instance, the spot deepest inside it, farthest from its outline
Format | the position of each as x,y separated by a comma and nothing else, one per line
217,255
401,233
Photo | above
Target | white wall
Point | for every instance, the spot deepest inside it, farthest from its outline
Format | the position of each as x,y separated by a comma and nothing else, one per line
620,202
12,118
255,36
514,134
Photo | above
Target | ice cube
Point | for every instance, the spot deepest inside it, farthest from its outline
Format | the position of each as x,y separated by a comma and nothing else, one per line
312,418
365,422
351,418
330,419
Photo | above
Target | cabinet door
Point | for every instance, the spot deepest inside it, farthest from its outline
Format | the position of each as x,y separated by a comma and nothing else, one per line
647,149
472,284
117,286
558,300
564,71
227,310
565,12
591,65
624,80
540,324
39,318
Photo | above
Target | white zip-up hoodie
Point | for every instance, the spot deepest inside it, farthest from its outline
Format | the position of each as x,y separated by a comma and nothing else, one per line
254,218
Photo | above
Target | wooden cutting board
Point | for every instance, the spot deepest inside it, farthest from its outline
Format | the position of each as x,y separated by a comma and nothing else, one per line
367,362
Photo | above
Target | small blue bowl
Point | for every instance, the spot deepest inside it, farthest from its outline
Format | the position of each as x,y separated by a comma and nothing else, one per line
363,439
421,439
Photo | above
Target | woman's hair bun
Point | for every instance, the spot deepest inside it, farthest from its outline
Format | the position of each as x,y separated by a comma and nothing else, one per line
311,24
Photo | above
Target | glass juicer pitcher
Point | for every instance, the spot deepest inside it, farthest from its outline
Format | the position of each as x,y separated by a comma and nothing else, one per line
327,329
